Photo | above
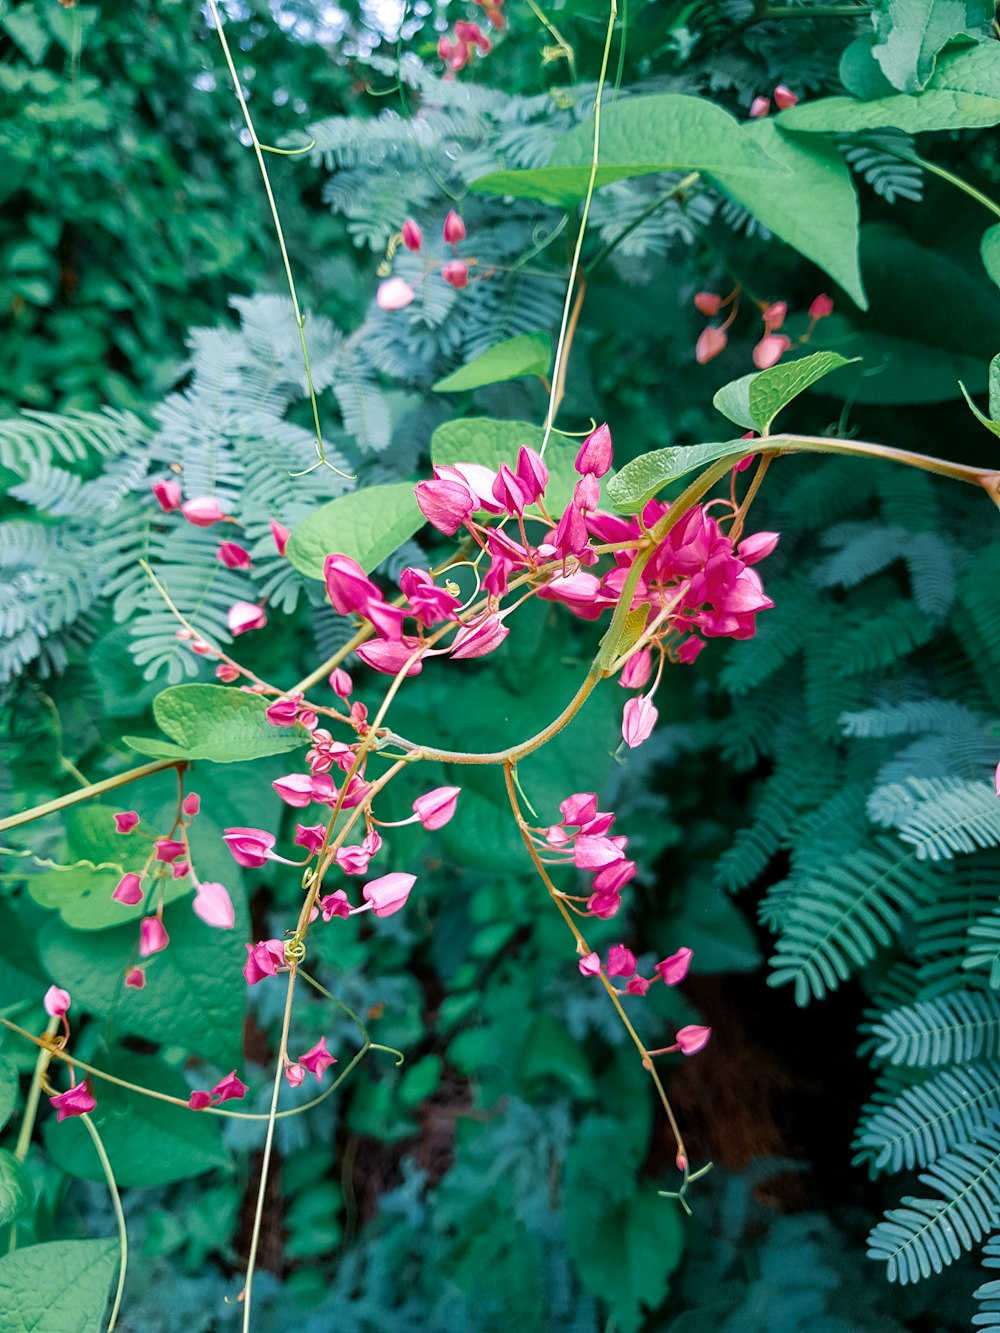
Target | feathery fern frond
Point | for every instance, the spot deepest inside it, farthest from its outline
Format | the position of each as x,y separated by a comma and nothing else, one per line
41,437
939,817
889,176
919,1124
952,1029
988,1295
984,946
911,718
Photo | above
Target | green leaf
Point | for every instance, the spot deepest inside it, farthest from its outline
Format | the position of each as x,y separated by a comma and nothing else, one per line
989,248
775,388
483,440
16,1191
148,1142
910,33
733,401
61,1287
991,422
860,72
216,723
368,525
527,354
640,480
24,27
10,1089
963,93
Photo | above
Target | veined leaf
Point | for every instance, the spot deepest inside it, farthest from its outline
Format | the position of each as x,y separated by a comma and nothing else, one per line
527,354
989,248
61,1287
215,723
640,480
775,387
910,33
367,525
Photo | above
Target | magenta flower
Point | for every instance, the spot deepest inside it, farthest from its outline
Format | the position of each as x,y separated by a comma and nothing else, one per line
390,658
394,294
244,616
191,803
317,1059
996,780
637,986
388,893
310,837
445,504
354,860
579,809
478,640
456,273
348,586
413,237
341,683
233,555
638,720
821,307
757,546
784,97
711,342
250,847
226,672
282,713
168,495
594,853
595,453
214,906
454,228
168,849
203,511
774,315
590,965
429,603
759,107
126,821
532,474
770,350
435,808
604,904
229,1089
674,969
693,1039
613,878
301,789
263,960
179,869
621,961
77,1101
56,1002
587,494
335,904
152,936
135,977
128,890
637,670
280,534
199,1099
294,1074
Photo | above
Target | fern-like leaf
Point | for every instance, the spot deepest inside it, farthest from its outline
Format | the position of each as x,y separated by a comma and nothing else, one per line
951,1029
921,1123
939,817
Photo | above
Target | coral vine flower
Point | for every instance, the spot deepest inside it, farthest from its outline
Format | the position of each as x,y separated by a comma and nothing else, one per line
711,342
317,1059
283,712
128,890
263,960
674,969
280,534
203,511
595,453
821,307
126,821
693,1039
478,640
294,1074
77,1101
234,556
435,808
152,936
226,672
169,849
56,1002
230,1088
637,670
759,107
214,906
341,683
394,294
770,350
784,97
244,616
413,237
191,803
456,273
590,965
707,303
250,847
168,495
638,721
135,978
388,893
621,961
454,227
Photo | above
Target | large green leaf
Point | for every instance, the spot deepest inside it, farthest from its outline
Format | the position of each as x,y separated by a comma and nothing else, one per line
194,991
963,93
733,401
368,525
483,440
910,33
217,723
527,354
639,480
61,1287
16,1191
775,387
148,1142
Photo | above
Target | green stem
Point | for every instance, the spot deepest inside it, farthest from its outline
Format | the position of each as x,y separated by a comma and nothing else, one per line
87,793
681,187
946,175
818,444
775,13
31,1106
116,1203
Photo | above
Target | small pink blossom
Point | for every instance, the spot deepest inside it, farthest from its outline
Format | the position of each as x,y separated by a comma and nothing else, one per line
77,1101
674,969
128,890
711,342
214,906
310,837
435,808
203,511
707,303
199,1100
621,961
413,237
294,1074
244,616
593,853
454,228
56,1002
280,534
169,849
532,473
389,658
757,546
638,720
595,453
637,670
769,351
135,978
478,640
233,555
445,504
263,960
456,273
152,936
191,803
689,649
774,315
388,893
283,712
168,495
341,683
394,294
229,1089
759,107
784,97
250,847
227,673
604,905
126,821
579,809
335,904
179,869
693,1039
637,986
317,1059
300,789
590,965
821,307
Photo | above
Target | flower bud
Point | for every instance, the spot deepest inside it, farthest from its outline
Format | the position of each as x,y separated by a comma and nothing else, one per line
394,294
784,97
456,273
759,107
413,237
203,511
707,303
821,307
454,228
770,350
244,616
711,342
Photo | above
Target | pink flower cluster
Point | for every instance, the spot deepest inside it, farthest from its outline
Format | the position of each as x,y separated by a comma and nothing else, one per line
582,838
772,345
317,1060
226,1090
396,293
621,962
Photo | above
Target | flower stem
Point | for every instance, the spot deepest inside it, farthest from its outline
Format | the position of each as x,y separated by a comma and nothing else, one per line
87,793
116,1203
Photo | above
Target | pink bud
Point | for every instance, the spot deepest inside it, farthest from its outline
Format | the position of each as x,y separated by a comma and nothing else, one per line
637,670
244,616
226,672
590,965
126,821
77,1101
282,713
168,495
637,986
250,847
693,1039
128,890
774,315
445,504
335,904
595,453
191,803
169,849
587,494
203,511
689,649
681,1162
757,546
711,342
456,273
394,294
230,1088
784,97
454,229
532,474
707,303
388,893
56,1002
638,720
478,640
310,837
435,808
621,961
180,869
341,683
152,936
821,307
674,969
233,555
294,1074
759,107
413,237
280,534
263,960
135,977
199,1099
214,906
770,350
579,809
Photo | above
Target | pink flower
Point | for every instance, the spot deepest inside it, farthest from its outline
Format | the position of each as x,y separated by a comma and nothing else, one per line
587,493
821,307
604,905
233,555
348,586
388,893
229,1089
784,97
693,1039
335,904
250,847
294,1074
759,107
594,852
128,890
77,1101
595,453
707,303
282,713
214,906
711,342
757,546
674,969
478,640
638,720
199,1100
532,474
774,315
471,32
226,672
263,960
300,789
135,977
770,350
168,495
203,511
637,670
621,961
311,837
613,878
126,822
169,849
445,504
590,965
689,649
429,603
394,294
244,616
317,1059
389,658
456,273
179,869
454,228
435,808
152,936
508,493
56,1002
413,237
637,986
280,534
341,683
191,803
579,809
